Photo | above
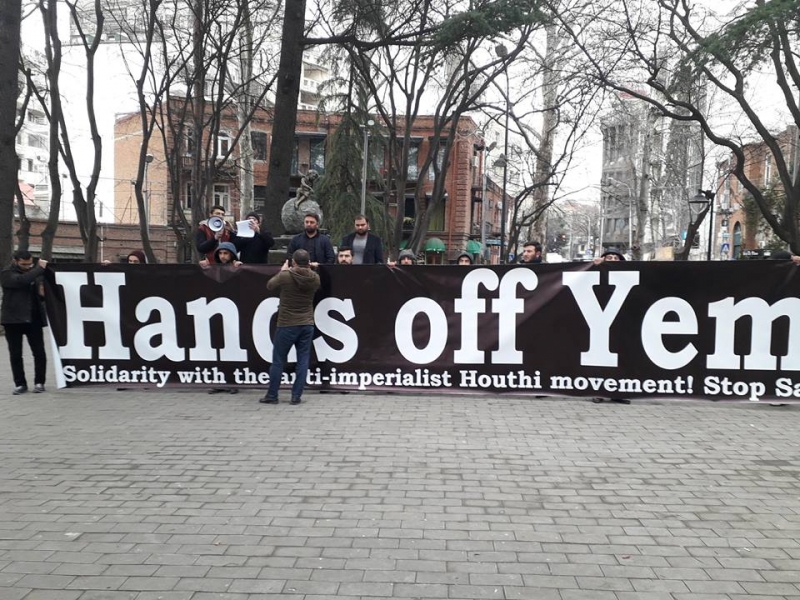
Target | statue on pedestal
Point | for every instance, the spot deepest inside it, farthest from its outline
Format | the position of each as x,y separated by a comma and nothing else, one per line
295,209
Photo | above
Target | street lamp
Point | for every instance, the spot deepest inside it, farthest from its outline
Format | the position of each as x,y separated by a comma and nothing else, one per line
702,199
369,124
486,151
502,52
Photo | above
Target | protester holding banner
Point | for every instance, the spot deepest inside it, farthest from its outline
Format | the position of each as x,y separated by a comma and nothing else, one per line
22,315
211,232
296,285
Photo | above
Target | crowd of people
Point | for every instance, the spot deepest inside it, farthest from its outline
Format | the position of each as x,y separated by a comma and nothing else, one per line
23,315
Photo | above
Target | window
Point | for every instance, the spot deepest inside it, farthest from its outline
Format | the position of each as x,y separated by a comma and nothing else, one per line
30,164
187,197
223,145
222,196
36,141
437,216
259,141
259,197
413,162
767,170
439,163
189,141
317,154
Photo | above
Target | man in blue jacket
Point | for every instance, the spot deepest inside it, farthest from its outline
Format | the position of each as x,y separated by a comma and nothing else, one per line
22,315
318,246
367,247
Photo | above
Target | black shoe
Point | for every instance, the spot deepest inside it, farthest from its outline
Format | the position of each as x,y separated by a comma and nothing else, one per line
217,391
597,400
38,388
268,400
296,400
20,389
621,401
233,391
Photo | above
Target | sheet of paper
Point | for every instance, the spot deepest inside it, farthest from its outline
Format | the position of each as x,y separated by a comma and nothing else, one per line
243,229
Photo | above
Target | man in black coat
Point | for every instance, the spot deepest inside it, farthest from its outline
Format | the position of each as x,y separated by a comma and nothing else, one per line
22,315
254,250
317,245
366,246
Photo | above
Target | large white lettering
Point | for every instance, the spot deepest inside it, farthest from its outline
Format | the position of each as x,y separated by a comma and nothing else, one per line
202,311
762,314
107,313
654,328
165,329
404,330
334,328
599,320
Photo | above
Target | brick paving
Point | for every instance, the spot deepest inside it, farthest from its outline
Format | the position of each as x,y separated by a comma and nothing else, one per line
136,495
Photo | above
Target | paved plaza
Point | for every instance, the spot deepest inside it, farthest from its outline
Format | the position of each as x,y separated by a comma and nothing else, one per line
146,495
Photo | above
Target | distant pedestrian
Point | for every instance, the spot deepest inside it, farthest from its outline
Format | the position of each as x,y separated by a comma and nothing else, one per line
22,315
296,285
464,259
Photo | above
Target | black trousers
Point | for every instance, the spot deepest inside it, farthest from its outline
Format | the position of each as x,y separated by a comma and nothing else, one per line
34,333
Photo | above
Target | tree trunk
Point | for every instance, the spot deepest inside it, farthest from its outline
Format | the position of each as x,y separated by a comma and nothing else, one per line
53,52
285,114
10,15
244,113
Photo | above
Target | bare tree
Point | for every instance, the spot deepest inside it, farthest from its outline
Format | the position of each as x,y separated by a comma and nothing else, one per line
10,17
629,44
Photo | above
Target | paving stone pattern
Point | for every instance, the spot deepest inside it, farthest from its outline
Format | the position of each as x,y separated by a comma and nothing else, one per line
136,495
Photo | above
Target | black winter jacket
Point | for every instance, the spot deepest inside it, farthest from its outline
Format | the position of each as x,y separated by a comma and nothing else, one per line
21,296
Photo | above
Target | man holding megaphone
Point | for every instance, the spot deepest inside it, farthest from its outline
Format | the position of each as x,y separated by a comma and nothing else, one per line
211,232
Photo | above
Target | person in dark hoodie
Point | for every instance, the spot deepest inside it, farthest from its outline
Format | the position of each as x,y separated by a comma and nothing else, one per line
296,285
226,255
464,259
254,250
22,315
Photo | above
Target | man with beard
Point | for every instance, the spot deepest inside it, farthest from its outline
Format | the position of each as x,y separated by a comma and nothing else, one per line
531,253
367,247
318,246
344,256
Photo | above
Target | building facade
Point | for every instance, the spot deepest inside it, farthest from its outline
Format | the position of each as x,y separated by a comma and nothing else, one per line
454,228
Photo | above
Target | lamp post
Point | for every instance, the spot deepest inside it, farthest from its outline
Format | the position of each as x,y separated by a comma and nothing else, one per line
502,52
369,124
486,151
706,197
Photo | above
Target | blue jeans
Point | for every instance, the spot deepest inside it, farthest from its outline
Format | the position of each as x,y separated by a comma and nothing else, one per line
300,337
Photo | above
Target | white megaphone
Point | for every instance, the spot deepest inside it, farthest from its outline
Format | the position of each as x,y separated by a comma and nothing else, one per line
216,224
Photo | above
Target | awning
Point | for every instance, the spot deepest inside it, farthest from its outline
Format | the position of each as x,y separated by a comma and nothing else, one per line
473,247
434,244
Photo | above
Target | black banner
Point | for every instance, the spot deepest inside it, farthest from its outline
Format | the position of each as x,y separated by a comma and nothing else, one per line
720,331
